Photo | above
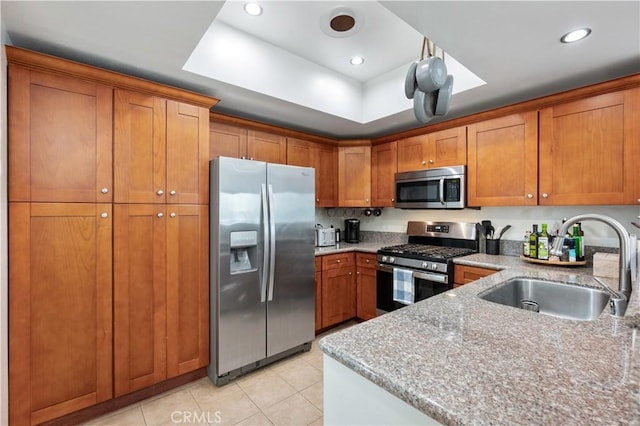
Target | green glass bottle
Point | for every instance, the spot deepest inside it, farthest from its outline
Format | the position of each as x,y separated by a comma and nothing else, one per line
543,243
578,243
533,243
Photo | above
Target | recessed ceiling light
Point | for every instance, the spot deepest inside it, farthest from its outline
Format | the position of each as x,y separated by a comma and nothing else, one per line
253,9
575,35
357,60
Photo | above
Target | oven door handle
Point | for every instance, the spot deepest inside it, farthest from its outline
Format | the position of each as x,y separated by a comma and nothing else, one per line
439,278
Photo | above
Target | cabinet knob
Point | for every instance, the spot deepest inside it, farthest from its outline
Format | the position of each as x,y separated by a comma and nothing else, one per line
172,192
104,215
393,200
424,162
529,196
638,200
104,190
367,260
338,261
317,200
243,158
350,273
160,215
172,214
545,195
366,201
250,158
430,161
159,192
357,273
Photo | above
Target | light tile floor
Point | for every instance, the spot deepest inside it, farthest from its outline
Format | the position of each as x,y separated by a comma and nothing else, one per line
288,392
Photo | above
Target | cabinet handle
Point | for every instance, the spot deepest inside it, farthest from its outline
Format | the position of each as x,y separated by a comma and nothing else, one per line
424,162
104,215
104,190
160,215
430,161
545,195
172,214
159,192
529,196
172,192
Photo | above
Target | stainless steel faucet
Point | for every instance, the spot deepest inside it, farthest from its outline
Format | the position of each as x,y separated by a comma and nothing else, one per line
620,298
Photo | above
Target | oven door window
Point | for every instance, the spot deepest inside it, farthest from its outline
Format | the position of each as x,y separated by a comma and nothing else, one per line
423,191
425,289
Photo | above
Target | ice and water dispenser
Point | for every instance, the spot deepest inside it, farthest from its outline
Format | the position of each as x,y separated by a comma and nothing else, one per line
244,251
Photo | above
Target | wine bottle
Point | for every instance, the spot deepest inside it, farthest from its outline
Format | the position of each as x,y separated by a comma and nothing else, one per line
533,243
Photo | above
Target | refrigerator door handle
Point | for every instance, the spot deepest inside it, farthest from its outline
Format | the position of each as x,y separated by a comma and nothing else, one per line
266,254
272,242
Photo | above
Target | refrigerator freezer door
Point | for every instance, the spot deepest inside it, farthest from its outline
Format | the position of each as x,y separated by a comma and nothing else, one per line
291,306
238,316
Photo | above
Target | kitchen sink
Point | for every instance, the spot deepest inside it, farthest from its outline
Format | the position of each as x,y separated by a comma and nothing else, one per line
557,299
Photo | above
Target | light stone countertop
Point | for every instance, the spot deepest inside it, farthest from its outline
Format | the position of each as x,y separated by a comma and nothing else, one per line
463,360
347,247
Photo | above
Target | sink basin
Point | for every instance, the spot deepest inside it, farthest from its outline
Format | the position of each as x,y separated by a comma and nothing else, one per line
551,298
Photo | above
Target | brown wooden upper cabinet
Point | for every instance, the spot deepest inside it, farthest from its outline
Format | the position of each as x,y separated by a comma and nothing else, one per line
438,149
384,164
354,176
324,158
239,142
61,138
160,150
587,152
502,167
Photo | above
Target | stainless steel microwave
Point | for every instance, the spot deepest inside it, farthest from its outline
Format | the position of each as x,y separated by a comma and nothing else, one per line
441,188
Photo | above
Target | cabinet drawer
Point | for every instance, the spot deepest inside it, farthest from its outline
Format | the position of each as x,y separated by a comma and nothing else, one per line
339,260
466,274
366,260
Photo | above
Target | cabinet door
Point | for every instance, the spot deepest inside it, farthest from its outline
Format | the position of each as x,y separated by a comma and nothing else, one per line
338,296
448,147
326,164
412,153
60,304
318,300
503,161
139,148
187,288
383,172
139,296
187,153
354,176
227,141
366,293
61,136
464,274
586,150
262,146
300,152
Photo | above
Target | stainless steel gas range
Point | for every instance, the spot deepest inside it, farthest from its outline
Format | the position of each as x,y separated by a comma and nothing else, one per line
423,267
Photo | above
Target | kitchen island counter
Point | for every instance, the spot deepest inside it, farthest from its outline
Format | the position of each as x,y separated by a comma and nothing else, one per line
463,360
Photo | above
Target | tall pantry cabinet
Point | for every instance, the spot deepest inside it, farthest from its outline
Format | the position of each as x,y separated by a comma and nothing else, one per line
107,286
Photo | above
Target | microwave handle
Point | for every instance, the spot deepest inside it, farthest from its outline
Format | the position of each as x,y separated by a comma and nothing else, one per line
441,191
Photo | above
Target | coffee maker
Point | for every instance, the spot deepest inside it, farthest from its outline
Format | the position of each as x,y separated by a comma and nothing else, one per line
352,230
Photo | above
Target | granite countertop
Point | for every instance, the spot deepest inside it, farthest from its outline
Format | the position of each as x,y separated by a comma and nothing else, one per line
463,360
346,247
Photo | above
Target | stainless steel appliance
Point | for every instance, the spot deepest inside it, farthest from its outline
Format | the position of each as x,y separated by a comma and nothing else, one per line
352,230
440,188
262,264
426,258
325,237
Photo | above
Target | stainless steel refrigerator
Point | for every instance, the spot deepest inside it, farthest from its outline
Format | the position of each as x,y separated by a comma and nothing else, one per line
262,264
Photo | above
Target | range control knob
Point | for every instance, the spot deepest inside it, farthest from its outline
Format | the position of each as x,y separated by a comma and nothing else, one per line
434,266
425,265
383,259
392,259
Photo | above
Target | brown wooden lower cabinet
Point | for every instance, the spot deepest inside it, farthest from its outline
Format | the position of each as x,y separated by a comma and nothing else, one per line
318,325
366,296
463,274
338,295
60,309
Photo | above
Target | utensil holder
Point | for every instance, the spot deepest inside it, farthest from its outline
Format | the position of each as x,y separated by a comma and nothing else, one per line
493,246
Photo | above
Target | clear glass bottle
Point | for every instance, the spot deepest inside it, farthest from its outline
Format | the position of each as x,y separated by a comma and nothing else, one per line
525,244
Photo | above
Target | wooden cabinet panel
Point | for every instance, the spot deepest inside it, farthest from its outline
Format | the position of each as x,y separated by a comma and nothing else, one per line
262,146
318,321
366,296
324,158
187,153
187,288
354,176
438,149
586,150
300,152
463,274
338,295
60,302
227,141
338,260
139,296
139,148
61,133
384,159
503,161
